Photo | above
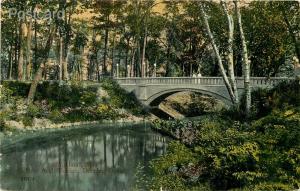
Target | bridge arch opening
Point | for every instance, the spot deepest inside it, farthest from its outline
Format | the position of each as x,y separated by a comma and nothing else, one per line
181,103
157,98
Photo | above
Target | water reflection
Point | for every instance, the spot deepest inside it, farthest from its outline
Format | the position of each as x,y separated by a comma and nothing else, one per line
102,160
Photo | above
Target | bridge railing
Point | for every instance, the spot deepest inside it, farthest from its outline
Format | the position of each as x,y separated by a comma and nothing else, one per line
255,81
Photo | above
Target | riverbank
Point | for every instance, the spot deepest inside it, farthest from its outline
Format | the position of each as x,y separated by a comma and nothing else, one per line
44,124
225,152
62,105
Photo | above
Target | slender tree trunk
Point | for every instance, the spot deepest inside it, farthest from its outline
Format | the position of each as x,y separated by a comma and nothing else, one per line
28,50
168,73
35,44
39,73
112,57
16,57
21,52
230,53
105,49
219,59
126,63
246,62
60,57
126,59
9,75
85,60
98,70
138,71
65,65
143,64
132,74
66,45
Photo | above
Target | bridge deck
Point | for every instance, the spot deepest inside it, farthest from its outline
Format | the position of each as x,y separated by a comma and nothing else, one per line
255,81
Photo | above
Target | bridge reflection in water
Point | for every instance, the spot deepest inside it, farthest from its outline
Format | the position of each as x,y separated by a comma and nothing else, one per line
105,160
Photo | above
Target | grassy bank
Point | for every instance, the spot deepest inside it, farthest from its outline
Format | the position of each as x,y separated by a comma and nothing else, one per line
65,103
223,152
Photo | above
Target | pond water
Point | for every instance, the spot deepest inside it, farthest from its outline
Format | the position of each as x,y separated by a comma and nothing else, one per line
88,158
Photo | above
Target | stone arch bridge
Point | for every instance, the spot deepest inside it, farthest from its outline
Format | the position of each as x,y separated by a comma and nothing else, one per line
151,91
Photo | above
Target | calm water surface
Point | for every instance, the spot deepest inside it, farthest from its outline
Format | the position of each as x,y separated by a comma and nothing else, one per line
84,159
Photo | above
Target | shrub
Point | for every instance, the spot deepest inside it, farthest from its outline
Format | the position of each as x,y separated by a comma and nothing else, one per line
34,111
56,116
5,96
167,167
88,98
2,124
282,96
27,121
104,111
119,98
18,89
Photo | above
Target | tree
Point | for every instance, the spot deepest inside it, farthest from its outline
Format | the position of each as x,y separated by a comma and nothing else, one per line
246,63
219,59
230,51
38,75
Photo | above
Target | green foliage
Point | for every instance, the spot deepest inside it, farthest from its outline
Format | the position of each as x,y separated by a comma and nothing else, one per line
142,181
269,40
167,168
119,98
27,121
34,111
6,96
104,111
2,124
261,156
16,88
272,186
56,116
283,96
66,95
64,102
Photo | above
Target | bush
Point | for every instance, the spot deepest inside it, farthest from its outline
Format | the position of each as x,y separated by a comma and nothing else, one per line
2,124
119,98
18,89
27,121
5,96
167,167
283,96
56,116
104,111
34,111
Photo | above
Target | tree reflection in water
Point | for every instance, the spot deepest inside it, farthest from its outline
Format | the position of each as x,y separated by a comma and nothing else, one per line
103,160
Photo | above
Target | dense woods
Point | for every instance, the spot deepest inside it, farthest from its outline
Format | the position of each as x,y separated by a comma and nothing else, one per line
92,39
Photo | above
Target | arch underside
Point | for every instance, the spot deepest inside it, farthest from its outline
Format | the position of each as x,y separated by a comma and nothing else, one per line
157,98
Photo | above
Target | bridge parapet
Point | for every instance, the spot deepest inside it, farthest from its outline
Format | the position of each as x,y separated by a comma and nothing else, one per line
213,81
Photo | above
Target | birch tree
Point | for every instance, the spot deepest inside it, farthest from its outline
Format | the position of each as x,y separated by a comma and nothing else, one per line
218,56
246,62
229,55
